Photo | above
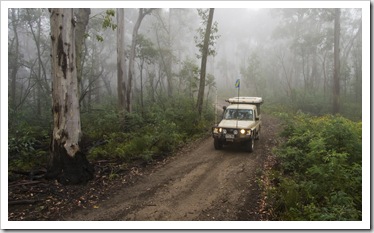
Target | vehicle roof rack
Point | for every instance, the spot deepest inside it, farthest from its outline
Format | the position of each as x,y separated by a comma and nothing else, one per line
245,100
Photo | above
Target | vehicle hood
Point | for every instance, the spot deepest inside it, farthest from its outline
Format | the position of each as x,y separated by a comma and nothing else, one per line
236,124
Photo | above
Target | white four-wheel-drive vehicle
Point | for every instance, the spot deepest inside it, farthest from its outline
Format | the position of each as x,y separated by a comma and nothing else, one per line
241,123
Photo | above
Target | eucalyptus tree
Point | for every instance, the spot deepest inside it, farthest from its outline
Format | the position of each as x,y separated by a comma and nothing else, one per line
351,33
14,56
336,81
163,33
82,18
142,13
321,41
68,164
357,69
146,54
308,32
95,57
121,67
205,45
173,38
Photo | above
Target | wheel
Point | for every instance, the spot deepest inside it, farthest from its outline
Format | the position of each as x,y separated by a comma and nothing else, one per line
217,144
258,134
251,144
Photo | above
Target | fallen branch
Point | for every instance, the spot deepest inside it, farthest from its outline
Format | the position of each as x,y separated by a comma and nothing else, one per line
25,183
22,202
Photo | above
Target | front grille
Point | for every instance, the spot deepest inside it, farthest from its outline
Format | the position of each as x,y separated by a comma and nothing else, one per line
230,130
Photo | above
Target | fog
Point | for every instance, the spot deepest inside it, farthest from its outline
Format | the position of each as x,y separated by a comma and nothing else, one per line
284,55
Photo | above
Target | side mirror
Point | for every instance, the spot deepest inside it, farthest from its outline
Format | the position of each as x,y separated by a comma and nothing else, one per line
224,108
257,118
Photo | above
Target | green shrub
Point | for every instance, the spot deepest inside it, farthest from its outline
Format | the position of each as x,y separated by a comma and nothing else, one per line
97,123
158,131
28,145
320,172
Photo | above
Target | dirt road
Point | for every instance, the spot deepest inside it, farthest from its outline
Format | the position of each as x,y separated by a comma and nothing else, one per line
199,183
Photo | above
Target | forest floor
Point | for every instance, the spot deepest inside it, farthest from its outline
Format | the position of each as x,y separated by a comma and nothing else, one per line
196,183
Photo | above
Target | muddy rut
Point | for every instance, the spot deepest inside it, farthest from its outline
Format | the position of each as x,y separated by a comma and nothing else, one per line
200,183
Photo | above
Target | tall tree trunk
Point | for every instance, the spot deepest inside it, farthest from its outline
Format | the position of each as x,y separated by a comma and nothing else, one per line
142,12
323,60
106,82
141,88
169,74
40,64
357,61
121,69
14,64
68,164
336,81
166,62
82,16
200,96
314,76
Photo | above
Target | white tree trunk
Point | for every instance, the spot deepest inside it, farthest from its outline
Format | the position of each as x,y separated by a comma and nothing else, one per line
66,114
67,162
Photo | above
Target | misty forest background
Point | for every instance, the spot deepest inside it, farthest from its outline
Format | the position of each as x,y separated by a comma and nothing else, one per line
286,56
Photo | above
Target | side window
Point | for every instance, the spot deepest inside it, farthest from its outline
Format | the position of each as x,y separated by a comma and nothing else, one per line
250,115
226,114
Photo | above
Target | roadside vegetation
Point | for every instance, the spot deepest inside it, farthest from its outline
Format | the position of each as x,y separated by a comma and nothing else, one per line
157,132
112,135
317,173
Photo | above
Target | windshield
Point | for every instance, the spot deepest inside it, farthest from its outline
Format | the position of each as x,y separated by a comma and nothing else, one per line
238,114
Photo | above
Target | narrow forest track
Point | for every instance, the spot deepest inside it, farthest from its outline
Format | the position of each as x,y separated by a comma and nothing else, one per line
198,183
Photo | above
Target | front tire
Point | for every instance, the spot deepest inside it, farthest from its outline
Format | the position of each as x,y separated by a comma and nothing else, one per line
218,145
251,144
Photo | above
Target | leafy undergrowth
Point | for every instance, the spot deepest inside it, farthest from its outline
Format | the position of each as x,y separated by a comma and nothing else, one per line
316,173
144,135
119,146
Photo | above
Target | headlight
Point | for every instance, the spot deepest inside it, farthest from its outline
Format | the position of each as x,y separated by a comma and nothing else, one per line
242,131
217,130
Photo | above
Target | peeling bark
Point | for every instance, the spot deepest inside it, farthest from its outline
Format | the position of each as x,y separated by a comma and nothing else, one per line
67,163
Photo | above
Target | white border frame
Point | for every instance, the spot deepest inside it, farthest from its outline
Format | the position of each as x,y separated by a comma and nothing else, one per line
366,160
